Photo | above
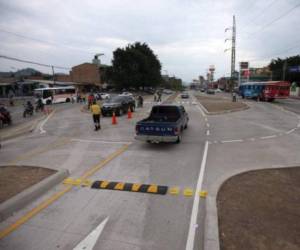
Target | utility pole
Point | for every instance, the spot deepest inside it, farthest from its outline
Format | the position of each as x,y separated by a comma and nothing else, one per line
233,48
233,40
53,74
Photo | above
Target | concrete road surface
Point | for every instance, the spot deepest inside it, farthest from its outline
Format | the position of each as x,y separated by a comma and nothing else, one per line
65,218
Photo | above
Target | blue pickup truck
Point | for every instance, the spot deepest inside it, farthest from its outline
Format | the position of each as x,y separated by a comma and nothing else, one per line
165,124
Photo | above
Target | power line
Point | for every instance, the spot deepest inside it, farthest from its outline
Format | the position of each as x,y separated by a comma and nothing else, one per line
275,54
31,62
260,13
275,19
43,41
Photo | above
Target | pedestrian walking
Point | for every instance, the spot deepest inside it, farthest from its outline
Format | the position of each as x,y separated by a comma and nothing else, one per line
140,101
233,97
96,111
159,96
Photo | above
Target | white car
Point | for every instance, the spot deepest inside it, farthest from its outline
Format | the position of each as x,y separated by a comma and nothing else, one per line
218,91
103,96
126,94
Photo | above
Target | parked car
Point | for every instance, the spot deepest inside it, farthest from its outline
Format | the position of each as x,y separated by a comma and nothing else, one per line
5,117
126,94
167,92
210,91
165,124
118,105
202,89
102,96
218,91
185,95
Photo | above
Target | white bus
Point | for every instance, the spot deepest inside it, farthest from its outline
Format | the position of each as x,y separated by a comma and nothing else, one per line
55,94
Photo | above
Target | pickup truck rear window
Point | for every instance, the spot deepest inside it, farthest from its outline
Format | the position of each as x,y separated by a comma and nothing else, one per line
168,111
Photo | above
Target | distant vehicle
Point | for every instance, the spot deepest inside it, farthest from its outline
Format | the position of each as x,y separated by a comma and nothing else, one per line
265,91
167,92
165,124
102,96
202,89
55,94
5,117
185,95
118,105
126,94
218,91
210,91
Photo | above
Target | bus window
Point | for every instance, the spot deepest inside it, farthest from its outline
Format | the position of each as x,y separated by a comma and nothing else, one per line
47,93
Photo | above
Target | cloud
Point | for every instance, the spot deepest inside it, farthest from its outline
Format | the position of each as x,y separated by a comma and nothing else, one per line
186,35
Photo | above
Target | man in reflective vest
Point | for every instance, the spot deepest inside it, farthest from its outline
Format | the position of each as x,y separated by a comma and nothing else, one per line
96,111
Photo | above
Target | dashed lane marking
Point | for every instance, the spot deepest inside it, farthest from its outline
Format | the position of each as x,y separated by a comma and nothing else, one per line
102,141
230,141
268,137
207,132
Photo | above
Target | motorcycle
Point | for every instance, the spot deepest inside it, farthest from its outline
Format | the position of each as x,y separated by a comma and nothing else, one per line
5,117
39,107
28,110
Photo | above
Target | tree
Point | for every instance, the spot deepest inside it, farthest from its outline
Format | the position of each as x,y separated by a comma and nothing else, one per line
135,66
280,68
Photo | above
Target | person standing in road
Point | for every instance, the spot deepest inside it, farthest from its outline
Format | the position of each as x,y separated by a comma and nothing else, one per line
96,111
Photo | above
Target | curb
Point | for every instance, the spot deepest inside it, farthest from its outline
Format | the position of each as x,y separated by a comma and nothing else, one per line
22,199
223,112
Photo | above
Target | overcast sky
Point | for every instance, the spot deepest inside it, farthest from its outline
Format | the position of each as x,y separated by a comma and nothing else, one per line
186,35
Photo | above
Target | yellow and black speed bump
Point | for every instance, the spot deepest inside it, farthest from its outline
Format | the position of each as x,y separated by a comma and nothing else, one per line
131,187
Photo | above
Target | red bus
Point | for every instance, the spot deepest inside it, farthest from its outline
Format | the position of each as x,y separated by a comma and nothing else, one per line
275,90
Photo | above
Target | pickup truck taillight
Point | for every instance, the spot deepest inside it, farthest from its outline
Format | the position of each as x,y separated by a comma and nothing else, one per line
176,131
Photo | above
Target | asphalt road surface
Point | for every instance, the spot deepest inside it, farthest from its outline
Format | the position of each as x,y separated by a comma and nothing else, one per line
263,136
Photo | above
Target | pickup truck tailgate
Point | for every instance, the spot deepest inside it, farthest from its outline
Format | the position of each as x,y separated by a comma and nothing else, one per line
155,129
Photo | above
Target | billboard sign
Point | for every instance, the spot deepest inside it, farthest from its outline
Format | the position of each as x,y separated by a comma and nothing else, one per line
294,69
244,65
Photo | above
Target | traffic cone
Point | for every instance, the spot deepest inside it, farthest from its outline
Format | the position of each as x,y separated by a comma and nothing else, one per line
114,119
129,114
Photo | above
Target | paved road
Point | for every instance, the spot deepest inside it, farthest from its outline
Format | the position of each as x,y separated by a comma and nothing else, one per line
260,137
290,104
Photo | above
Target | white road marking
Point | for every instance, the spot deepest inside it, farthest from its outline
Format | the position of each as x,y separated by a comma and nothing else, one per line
207,125
207,132
298,125
268,137
201,111
290,131
90,241
102,141
193,221
42,131
205,119
229,141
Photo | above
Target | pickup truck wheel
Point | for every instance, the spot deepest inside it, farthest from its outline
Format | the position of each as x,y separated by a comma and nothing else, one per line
186,125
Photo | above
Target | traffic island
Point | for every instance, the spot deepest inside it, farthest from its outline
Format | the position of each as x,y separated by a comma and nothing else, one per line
215,105
260,210
19,185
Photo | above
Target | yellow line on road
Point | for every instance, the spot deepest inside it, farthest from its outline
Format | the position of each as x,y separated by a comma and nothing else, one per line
33,212
103,163
57,195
